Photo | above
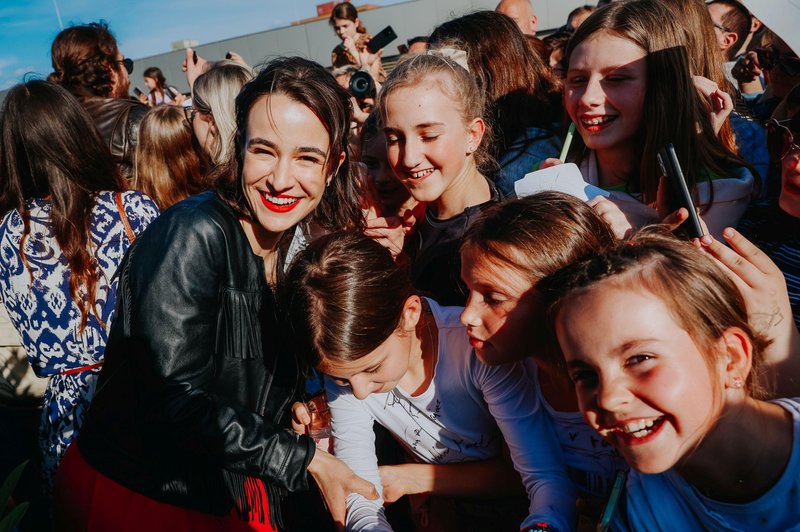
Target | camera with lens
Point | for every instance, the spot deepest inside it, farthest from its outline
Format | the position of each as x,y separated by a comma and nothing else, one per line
362,85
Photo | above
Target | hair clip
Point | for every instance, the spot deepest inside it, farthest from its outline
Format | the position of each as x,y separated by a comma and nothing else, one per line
453,54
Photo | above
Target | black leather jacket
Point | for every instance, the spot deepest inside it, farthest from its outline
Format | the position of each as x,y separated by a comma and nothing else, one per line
195,391
117,120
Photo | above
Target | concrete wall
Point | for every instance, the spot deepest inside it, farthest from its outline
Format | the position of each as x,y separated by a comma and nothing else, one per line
315,40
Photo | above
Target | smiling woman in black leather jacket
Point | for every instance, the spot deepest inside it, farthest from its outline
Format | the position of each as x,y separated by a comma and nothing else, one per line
191,405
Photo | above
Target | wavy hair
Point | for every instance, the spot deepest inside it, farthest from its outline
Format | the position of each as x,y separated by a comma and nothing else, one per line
83,59
51,150
307,83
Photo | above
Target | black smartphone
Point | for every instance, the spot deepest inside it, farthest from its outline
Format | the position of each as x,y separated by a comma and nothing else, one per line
137,92
679,193
194,57
381,39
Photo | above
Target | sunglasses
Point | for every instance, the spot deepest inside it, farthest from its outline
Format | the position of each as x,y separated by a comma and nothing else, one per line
780,139
127,63
769,58
189,113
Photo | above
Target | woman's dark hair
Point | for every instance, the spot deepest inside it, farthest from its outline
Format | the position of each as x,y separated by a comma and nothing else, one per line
155,74
51,149
308,83
346,11
520,90
345,295
83,59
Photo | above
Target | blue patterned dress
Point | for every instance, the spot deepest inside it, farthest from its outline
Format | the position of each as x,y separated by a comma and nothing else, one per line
47,318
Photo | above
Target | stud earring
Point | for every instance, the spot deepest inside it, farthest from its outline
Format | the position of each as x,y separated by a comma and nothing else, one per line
737,383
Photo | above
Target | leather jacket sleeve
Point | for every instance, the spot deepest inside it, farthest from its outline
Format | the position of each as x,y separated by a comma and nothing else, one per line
170,291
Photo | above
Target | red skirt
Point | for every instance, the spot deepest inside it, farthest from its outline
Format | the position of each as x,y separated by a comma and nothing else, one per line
87,500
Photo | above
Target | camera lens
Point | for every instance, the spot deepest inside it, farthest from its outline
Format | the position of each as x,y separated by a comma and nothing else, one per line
361,85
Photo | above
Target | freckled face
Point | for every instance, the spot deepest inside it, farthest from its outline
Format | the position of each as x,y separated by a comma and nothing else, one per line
640,379
377,372
605,90
285,154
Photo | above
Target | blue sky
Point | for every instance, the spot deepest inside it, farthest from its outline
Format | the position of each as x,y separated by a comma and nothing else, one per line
143,27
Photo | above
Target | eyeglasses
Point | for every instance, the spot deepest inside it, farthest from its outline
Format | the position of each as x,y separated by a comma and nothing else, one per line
780,139
721,27
127,63
189,113
769,58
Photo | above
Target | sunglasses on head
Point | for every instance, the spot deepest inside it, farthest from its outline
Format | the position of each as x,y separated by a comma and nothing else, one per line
127,63
769,58
780,139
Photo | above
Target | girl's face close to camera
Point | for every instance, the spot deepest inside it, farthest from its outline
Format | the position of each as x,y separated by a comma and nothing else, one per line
500,311
641,380
605,90
345,28
377,372
427,141
391,192
285,151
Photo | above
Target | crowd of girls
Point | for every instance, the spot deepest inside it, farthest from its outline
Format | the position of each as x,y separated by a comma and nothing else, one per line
538,363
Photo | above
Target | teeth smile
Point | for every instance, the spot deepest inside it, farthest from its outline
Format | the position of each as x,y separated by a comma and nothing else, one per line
637,429
279,201
596,121
421,173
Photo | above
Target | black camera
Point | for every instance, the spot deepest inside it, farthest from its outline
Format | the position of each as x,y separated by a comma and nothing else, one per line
362,85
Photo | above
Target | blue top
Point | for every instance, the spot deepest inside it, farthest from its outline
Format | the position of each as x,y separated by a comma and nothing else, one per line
39,304
524,156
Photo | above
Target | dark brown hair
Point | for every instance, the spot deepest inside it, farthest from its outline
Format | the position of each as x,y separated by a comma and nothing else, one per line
736,19
156,75
520,90
702,299
50,149
673,111
169,163
539,234
346,11
345,296
308,83
83,59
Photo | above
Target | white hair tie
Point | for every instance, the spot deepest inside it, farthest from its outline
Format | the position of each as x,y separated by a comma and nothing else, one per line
453,54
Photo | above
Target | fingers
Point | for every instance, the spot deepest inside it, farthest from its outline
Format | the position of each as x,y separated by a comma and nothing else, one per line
673,220
739,268
550,161
749,251
300,413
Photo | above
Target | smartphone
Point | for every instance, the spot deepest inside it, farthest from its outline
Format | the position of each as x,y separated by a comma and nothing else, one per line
679,192
194,57
137,92
381,39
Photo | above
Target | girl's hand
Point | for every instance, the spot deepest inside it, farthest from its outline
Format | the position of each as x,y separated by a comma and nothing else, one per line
336,481
301,418
396,482
350,45
623,216
763,288
718,100
192,69
359,115
672,220
550,161
235,57
747,69
388,231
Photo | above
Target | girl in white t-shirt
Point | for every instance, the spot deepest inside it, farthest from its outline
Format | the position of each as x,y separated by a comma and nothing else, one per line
404,361
672,387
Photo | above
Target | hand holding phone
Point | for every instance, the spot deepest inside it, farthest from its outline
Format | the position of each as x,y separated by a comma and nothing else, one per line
381,39
678,191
